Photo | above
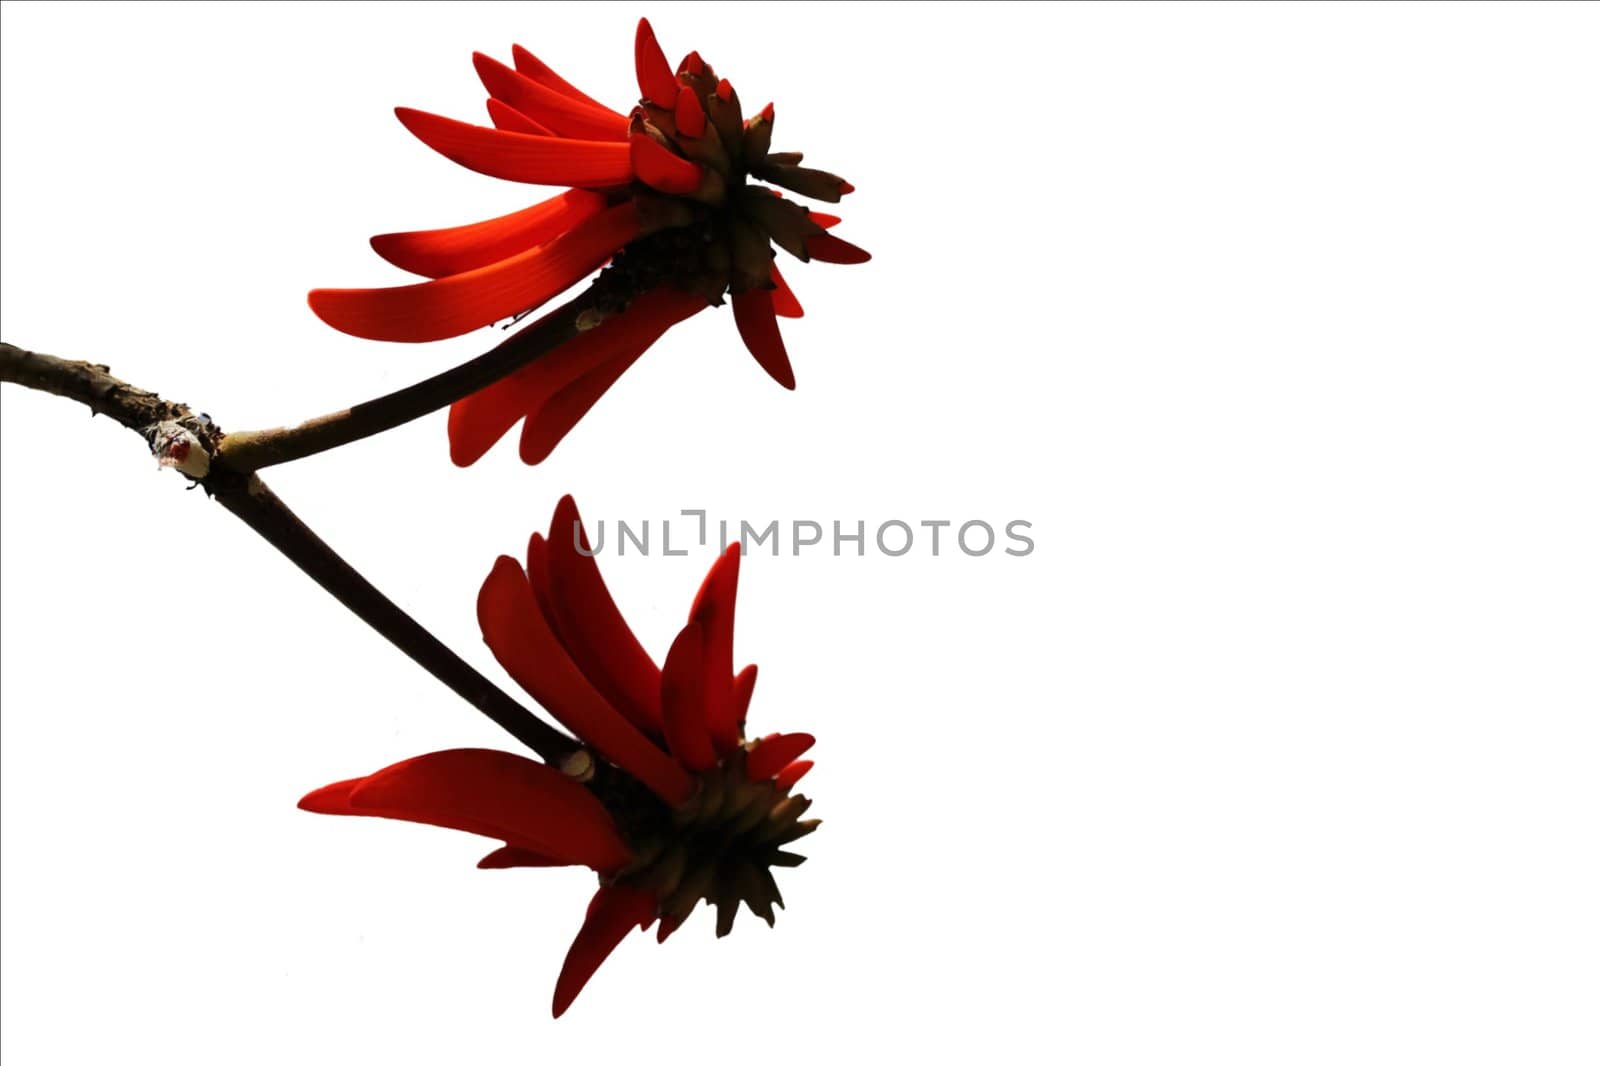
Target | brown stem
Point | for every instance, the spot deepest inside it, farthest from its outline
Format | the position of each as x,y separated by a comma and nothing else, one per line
254,449
244,494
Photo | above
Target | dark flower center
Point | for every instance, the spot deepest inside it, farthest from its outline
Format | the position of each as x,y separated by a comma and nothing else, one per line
719,846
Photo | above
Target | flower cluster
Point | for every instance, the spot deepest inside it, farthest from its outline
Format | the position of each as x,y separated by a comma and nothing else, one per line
667,800
663,194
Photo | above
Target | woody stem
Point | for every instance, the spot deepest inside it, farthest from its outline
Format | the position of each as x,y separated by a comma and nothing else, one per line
245,496
252,450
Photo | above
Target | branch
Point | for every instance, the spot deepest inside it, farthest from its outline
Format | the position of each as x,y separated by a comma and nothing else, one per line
254,449
244,494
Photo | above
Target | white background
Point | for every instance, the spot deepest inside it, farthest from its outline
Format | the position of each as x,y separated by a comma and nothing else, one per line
1278,323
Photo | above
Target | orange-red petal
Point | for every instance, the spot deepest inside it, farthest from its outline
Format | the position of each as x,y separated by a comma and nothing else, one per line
506,117
613,914
531,66
491,793
596,635
524,644
481,419
784,302
563,114
790,775
436,253
522,156
683,701
688,114
550,424
656,81
658,167
713,613
460,303
775,752
754,314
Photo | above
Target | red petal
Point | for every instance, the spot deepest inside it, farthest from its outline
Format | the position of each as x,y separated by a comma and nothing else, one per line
436,253
744,686
713,612
776,752
656,81
791,774
331,799
613,914
826,221
551,423
506,117
845,188
830,249
765,115
784,302
692,64
531,66
683,701
508,857
521,156
522,641
659,168
753,313
566,116
595,634
485,416
539,579
491,793
460,303
688,114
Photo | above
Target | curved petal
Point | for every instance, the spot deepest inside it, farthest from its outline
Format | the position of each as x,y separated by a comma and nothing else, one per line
460,303
549,425
436,253
784,302
566,116
683,701
506,117
491,793
688,114
830,249
531,66
509,858
775,752
660,168
758,326
480,420
713,613
744,686
524,644
613,913
521,156
790,775
596,635
656,81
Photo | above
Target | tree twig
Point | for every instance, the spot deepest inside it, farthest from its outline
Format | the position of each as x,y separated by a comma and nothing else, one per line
250,450
245,496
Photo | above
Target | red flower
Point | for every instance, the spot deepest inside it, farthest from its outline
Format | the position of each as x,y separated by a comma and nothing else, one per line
669,803
661,193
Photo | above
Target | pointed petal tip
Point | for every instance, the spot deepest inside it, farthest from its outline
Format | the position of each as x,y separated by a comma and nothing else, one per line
330,799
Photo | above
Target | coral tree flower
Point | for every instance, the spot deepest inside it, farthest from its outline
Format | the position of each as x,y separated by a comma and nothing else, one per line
662,193
669,802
